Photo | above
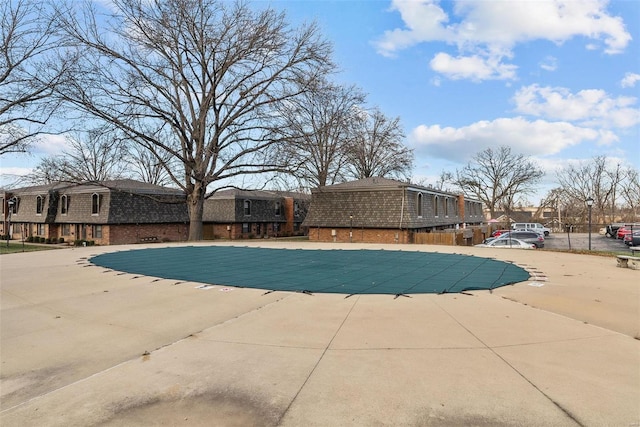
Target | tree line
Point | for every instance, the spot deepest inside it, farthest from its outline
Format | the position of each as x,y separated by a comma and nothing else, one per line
502,180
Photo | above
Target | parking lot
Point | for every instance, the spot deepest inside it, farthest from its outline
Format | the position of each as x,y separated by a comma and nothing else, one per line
580,241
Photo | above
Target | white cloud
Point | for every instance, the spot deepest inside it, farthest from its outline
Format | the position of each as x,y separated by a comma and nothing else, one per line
474,67
630,80
535,138
590,107
485,32
549,64
425,21
50,145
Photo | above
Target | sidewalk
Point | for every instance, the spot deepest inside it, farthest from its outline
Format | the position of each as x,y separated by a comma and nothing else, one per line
85,346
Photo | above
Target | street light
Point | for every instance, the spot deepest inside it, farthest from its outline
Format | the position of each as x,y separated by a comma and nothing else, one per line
10,204
589,203
350,228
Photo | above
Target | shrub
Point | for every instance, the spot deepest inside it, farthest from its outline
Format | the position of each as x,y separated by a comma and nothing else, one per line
30,239
61,240
47,240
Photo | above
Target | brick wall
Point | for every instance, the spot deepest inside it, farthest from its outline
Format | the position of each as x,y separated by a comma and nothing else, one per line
125,234
360,235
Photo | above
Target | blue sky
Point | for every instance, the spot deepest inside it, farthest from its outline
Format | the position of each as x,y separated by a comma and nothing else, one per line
558,81
555,80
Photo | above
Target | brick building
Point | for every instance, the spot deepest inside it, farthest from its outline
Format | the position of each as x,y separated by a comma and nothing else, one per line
107,212
242,214
380,210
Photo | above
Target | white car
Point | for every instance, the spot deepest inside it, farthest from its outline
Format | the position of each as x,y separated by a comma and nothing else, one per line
538,231
507,244
533,225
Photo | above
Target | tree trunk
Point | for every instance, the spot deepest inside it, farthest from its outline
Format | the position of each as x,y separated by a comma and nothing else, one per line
195,205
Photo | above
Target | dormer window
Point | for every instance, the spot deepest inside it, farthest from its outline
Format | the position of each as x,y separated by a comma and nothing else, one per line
64,204
436,208
13,205
95,204
419,204
39,205
278,209
247,207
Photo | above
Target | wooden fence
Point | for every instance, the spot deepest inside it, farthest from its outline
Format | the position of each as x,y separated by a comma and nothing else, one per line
463,237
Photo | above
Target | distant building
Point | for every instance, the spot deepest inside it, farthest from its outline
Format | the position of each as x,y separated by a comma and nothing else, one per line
242,214
383,210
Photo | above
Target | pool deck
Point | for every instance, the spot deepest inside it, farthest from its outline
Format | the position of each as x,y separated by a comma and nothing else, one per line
82,345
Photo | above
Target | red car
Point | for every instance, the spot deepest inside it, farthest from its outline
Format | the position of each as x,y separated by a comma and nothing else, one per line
499,232
622,231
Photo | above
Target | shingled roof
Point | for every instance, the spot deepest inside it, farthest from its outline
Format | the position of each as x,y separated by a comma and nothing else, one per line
369,203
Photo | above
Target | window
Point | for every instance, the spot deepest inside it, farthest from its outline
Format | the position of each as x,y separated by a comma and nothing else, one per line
2,202
64,205
39,205
96,231
13,205
95,204
246,227
66,229
446,207
247,207
419,204
436,210
40,231
296,209
278,209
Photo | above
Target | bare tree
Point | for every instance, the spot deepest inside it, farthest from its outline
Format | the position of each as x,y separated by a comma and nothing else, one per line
445,180
630,191
26,81
498,177
595,178
93,156
150,165
318,125
200,80
376,147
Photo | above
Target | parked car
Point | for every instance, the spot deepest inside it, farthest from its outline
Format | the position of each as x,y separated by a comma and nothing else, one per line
527,236
499,232
507,244
532,230
613,229
622,231
531,225
632,239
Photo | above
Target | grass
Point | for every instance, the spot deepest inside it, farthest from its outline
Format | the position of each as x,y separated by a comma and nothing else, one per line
15,247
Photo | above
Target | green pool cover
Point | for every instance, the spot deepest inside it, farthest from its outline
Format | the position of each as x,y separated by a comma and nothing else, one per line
318,271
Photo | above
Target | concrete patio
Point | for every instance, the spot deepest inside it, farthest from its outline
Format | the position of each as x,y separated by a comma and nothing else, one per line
81,345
